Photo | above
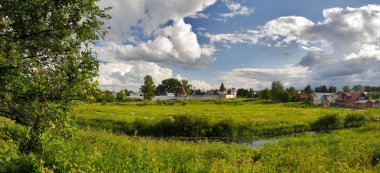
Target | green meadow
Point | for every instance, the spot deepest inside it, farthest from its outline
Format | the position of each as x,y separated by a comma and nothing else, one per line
158,136
227,119
241,110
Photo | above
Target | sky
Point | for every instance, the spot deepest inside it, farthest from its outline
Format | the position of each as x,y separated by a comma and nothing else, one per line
243,43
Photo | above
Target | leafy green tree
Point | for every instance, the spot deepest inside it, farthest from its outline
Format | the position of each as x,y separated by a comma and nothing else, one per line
346,88
148,89
358,88
185,84
277,91
293,94
120,96
170,85
321,89
127,92
46,62
310,95
332,89
243,93
199,92
265,94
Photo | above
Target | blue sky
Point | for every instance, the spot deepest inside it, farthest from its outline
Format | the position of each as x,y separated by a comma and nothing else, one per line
245,43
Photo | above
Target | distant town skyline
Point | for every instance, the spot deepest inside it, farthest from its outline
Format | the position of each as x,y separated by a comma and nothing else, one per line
245,44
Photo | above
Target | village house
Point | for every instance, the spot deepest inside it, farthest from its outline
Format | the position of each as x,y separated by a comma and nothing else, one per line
366,104
347,99
325,99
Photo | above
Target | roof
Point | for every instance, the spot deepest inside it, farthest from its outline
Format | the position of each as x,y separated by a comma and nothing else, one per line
322,96
365,101
349,96
303,95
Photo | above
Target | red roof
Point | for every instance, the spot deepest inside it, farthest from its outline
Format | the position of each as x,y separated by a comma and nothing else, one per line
303,95
349,97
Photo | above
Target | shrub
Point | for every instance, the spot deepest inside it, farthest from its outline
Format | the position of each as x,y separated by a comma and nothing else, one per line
328,122
355,120
376,156
224,128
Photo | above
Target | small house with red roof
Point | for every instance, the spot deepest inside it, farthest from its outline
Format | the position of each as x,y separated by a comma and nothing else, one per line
347,99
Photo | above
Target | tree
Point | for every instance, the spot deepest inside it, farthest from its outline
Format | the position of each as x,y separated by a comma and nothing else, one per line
277,91
46,62
293,94
358,88
265,94
310,95
185,84
148,89
170,85
346,88
243,93
332,89
199,92
120,96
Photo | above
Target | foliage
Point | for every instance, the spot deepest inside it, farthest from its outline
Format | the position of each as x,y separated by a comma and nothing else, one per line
339,151
278,92
148,89
265,94
328,122
321,89
346,88
170,85
244,93
373,95
293,95
46,61
357,88
355,120
120,96
352,150
186,86
103,96
332,89
309,94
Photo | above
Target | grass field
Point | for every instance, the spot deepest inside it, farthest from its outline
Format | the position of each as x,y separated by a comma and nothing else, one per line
244,110
95,150
240,118
350,150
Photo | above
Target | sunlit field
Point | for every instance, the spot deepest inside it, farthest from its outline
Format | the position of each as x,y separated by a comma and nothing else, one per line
241,110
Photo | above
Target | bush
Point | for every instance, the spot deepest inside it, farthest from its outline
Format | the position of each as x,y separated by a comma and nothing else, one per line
328,122
355,120
376,156
224,128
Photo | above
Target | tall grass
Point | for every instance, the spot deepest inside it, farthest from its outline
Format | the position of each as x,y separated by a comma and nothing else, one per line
350,150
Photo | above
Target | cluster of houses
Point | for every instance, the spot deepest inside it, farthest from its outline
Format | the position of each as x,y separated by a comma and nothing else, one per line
343,99
182,95
356,100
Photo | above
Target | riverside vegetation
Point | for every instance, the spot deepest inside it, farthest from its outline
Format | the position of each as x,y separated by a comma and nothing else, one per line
347,140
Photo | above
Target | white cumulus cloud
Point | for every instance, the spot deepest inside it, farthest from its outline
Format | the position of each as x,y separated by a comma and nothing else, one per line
351,36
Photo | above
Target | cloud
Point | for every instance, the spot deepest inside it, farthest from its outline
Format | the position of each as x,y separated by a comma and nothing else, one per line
155,31
199,84
149,15
235,9
131,75
199,16
172,45
259,78
249,36
349,52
